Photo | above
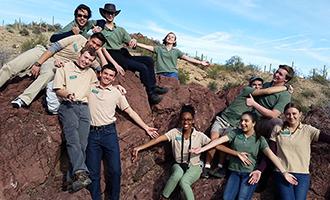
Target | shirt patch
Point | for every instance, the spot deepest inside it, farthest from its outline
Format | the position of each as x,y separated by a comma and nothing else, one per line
95,91
75,47
178,138
285,132
72,77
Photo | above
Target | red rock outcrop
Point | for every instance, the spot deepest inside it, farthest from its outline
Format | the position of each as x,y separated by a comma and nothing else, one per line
32,159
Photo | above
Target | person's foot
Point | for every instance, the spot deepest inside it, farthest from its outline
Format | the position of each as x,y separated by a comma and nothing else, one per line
81,181
18,103
206,173
155,99
160,90
218,172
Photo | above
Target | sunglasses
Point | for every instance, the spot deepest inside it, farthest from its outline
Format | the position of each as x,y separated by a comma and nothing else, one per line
110,13
82,16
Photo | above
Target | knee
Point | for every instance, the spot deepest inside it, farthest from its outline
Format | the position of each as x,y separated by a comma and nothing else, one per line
184,183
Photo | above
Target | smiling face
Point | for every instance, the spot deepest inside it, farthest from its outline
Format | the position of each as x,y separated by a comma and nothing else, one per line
257,84
82,17
187,121
171,38
292,116
247,124
279,77
85,60
94,43
107,76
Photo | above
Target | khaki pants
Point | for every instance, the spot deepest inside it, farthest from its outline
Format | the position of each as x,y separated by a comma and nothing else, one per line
21,66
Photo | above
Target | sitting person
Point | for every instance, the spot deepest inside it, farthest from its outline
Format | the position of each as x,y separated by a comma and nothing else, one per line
187,168
116,38
292,145
167,55
245,146
80,25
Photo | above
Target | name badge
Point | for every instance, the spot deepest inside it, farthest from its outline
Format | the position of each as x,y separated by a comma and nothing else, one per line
285,132
75,47
95,91
178,138
72,77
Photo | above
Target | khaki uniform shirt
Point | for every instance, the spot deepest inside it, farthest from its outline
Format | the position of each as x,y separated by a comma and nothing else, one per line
103,103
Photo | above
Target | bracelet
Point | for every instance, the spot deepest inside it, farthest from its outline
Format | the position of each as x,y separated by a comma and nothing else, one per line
37,64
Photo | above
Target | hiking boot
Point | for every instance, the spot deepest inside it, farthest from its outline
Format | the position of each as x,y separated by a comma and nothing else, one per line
206,173
155,99
80,182
18,103
160,90
218,172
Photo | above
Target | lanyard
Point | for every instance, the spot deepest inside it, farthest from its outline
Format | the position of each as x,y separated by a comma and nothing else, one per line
182,143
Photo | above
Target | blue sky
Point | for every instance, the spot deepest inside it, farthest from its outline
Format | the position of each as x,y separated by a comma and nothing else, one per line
260,32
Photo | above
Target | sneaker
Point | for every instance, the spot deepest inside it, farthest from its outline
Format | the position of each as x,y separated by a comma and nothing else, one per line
160,90
155,99
18,103
206,173
218,172
81,181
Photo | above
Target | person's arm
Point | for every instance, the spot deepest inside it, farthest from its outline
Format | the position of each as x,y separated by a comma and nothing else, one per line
269,90
145,46
152,132
289,177
195,61
210,145
262,110
243,156
58,36
65,94
153,142
108,57
35,69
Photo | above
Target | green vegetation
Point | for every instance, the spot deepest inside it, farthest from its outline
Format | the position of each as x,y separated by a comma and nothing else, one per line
230,85
214,71
31,43
184,76
213,86
24,32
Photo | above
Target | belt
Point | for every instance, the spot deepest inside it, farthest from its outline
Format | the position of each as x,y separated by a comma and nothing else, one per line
75,102
95,128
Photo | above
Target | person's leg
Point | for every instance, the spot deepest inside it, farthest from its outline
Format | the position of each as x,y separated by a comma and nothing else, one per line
232,186
20,63
300,190
284,189
190,177
174,179
83,128
246,190
94,156
46,74
68,114
52,100
111,151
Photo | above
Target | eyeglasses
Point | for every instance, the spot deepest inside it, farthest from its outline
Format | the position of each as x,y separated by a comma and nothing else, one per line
111,13
82,16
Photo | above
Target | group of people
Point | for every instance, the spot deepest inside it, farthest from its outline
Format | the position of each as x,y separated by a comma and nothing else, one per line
86,103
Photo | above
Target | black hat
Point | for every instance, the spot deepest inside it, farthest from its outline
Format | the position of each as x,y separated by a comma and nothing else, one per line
254,78
109,7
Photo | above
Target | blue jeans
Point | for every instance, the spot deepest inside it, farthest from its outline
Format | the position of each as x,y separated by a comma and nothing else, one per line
75,119
103,143
237,186
170,74
143,64
287,191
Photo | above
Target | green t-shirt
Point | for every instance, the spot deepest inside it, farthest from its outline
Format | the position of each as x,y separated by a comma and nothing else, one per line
115,38
166,60
232,114
239,142
83,31
274,101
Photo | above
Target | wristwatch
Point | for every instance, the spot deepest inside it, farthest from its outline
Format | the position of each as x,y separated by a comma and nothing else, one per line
37,64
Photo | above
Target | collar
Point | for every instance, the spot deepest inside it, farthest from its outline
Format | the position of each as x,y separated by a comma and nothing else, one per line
98,85
194,132
78,68
114,27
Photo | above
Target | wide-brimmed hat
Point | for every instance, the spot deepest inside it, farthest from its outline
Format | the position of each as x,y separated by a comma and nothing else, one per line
109,7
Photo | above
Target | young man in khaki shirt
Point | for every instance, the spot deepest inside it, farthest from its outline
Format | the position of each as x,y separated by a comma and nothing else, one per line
103,140
72,84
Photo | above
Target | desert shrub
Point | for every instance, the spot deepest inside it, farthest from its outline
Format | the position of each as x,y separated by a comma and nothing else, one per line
320,79
213,72
9,29
213,86
298,100
54,28
184,76
4,56
307,93
36,30
326,92
31,43
230,85
24,32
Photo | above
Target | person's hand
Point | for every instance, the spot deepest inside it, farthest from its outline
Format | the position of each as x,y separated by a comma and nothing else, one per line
59,63
254,177
132,43
120,70
290,89
135,154
244,157
71,97
75,29
250,101
96,29
35,70
121,89
152,132
290,178
196,150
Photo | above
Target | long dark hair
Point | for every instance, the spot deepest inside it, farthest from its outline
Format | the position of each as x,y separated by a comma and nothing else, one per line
164,40
187,108
254,118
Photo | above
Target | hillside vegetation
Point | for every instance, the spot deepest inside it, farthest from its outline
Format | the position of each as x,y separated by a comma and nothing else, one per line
313,90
